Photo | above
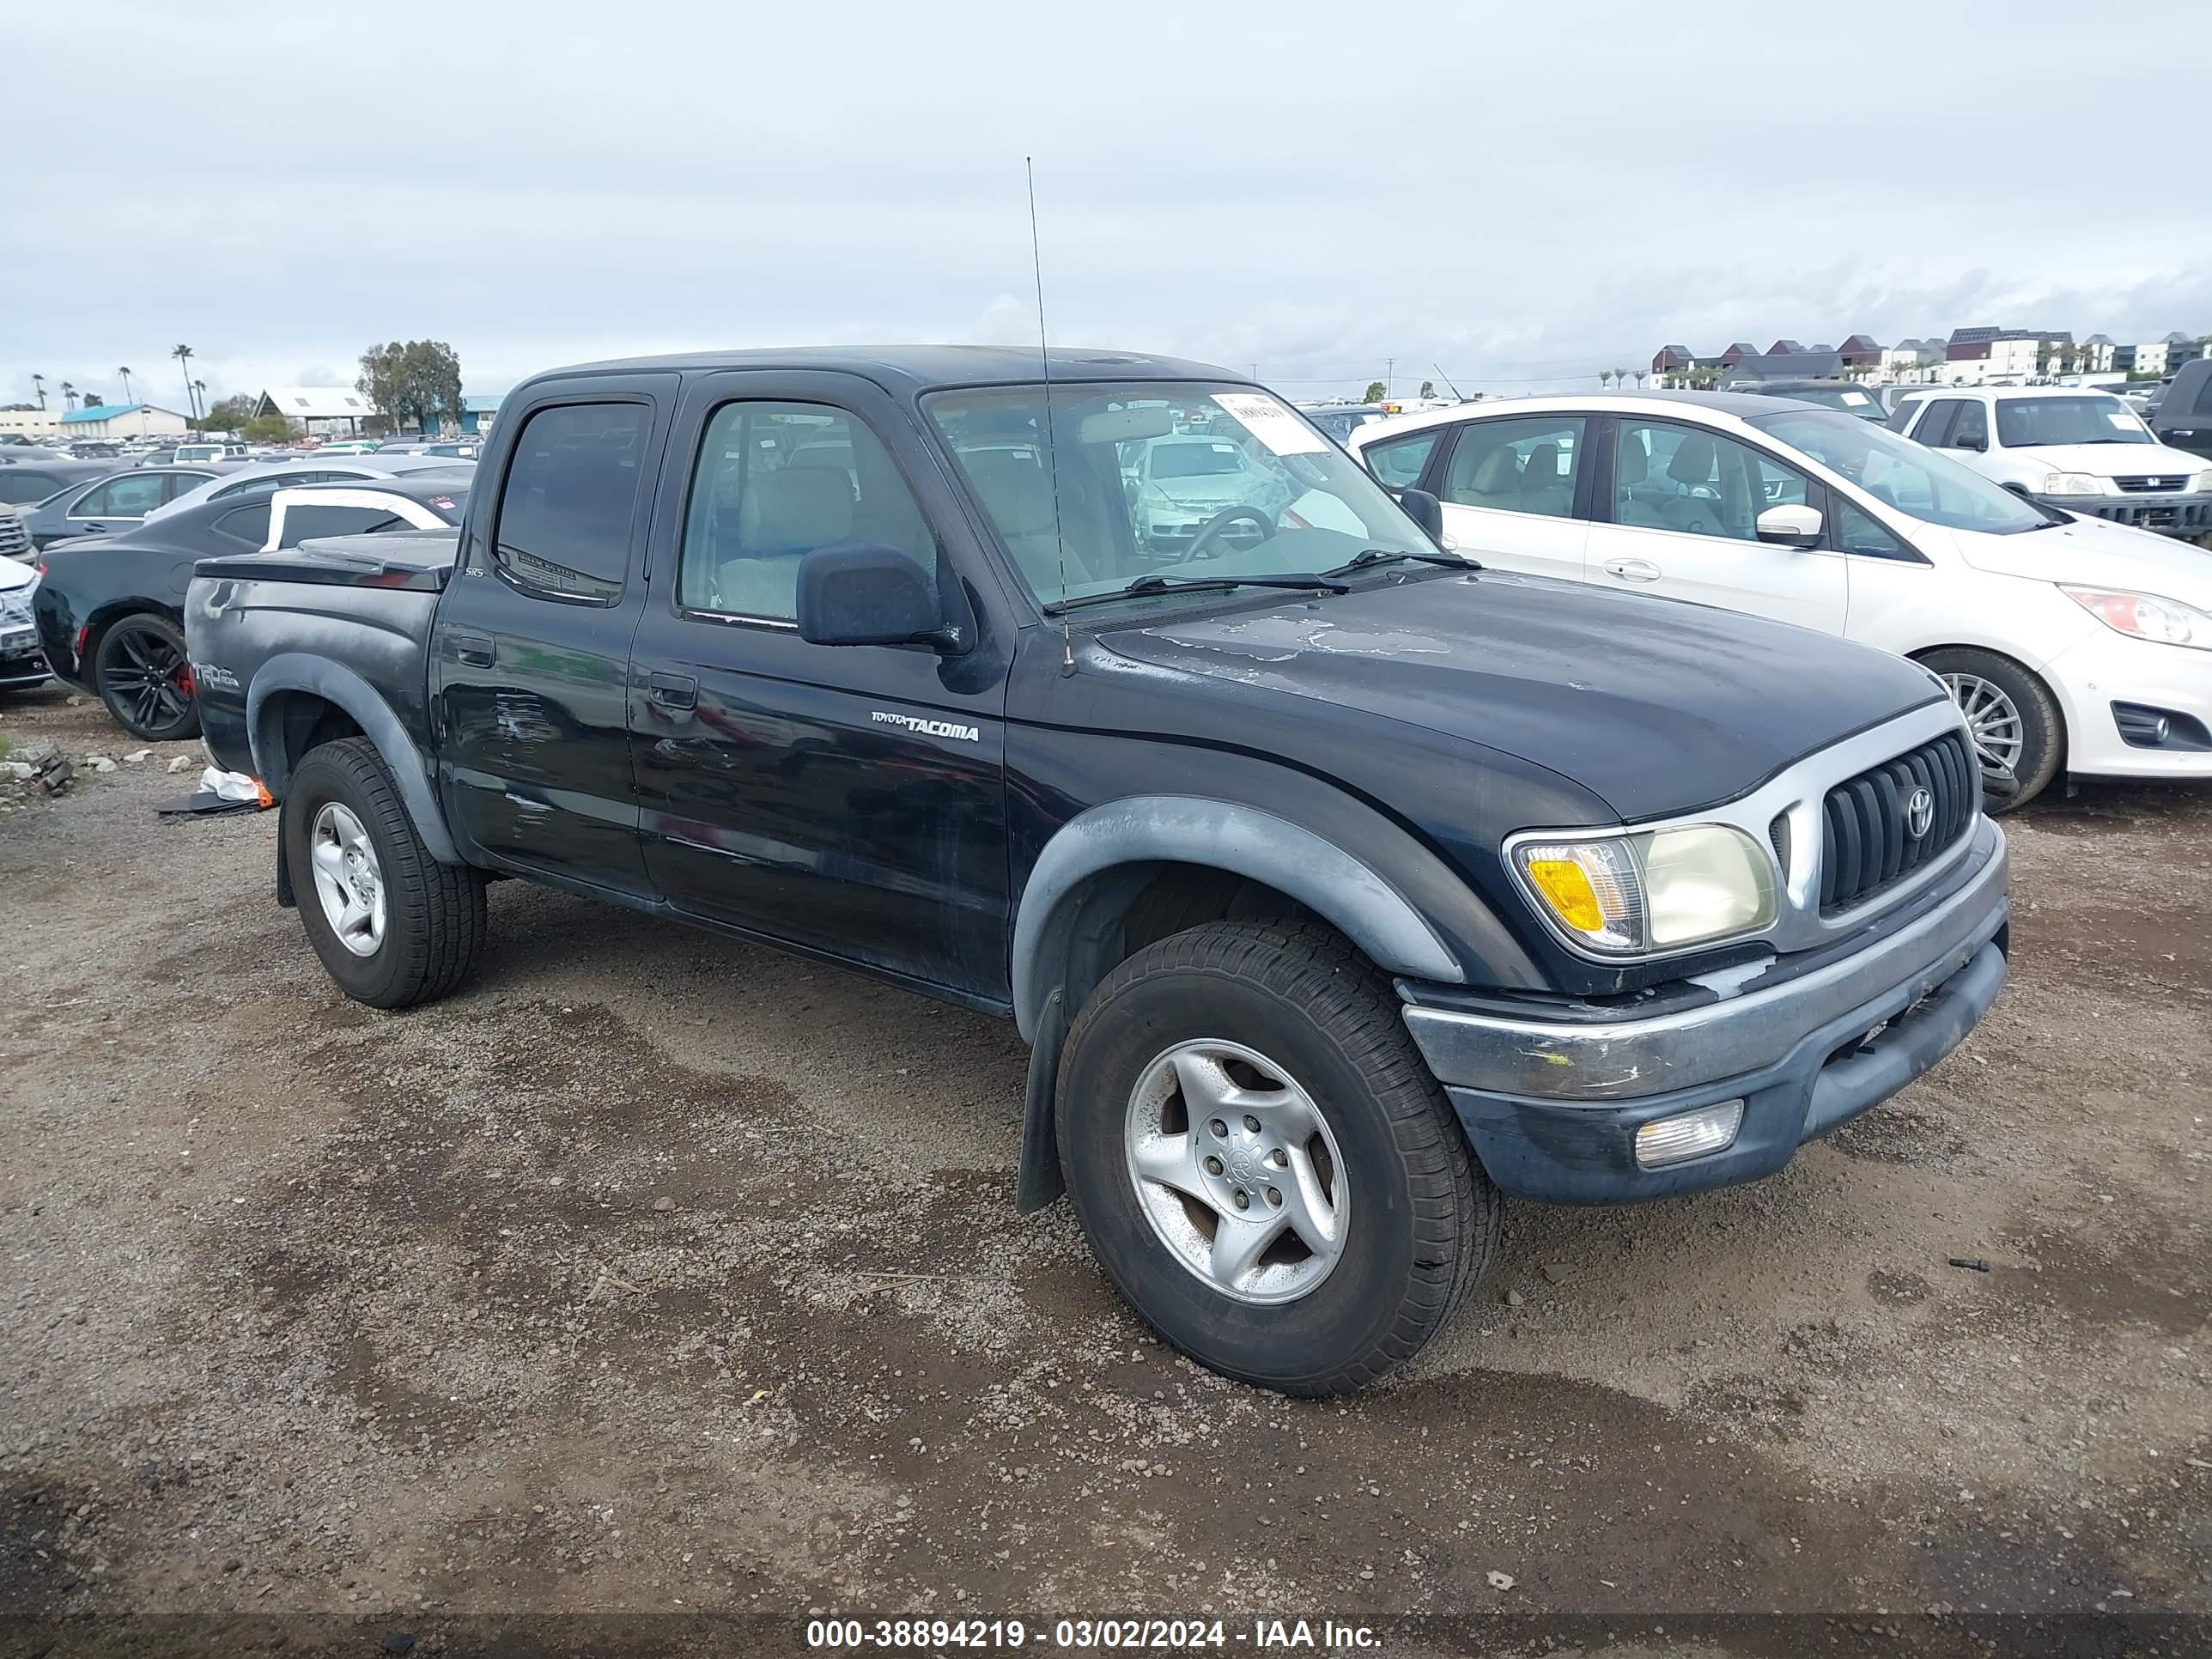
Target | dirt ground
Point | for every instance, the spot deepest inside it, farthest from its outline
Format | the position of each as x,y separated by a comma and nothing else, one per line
660,1277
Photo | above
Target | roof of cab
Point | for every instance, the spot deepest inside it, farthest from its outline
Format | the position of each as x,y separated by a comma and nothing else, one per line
918,368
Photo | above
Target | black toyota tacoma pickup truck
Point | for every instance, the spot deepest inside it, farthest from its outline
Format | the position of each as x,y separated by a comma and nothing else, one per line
1338,885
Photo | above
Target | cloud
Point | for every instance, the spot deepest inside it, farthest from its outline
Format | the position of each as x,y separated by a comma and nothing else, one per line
1521,195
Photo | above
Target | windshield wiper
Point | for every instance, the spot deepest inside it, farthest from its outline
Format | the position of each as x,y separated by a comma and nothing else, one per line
1372,556
1144,584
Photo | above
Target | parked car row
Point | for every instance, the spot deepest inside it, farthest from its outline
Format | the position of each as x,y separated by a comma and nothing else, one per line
2070,642
2084,452
110,613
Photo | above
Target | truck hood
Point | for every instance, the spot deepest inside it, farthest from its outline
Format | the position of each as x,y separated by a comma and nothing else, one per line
2114,460
1655,706
2093,553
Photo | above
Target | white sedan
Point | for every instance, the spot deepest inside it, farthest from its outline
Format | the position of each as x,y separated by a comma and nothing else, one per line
2070,642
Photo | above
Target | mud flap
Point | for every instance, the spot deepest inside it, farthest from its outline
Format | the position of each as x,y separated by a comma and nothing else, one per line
1039,1182
285,896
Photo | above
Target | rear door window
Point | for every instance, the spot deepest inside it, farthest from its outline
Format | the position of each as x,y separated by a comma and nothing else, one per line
131,496
570,500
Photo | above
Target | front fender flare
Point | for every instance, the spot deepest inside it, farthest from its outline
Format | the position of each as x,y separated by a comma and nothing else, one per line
1238,840
296,670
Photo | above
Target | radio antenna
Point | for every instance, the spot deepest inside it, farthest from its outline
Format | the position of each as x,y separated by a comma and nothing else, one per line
1456,395
1051,454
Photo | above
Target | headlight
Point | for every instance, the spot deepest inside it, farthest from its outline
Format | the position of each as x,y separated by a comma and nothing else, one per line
2202,480
2143,616
1660,890
2076,484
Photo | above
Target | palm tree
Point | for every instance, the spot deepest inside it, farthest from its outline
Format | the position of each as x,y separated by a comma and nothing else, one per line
69,397
39,384
183,354
1642,375
1604,379
200,390
125,373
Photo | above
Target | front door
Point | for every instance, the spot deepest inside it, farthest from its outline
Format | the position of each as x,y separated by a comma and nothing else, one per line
845,799
1511,490
1682,521
530,653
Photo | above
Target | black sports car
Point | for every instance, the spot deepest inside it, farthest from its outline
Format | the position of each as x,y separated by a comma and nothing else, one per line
110,610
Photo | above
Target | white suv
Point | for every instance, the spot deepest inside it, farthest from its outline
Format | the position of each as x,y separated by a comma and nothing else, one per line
2068,641
2086,452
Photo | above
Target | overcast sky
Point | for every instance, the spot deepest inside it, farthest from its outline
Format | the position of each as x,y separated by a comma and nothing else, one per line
1524,194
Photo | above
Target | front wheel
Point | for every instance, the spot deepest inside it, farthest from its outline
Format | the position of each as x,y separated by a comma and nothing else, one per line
1263,1162
393,927
2018,734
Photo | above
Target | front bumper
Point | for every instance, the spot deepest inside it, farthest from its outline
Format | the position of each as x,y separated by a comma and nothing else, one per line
21,663
2186,513
2105,671
1552,1106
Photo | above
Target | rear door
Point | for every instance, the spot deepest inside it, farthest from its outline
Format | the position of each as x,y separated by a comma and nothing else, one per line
1514,492
845,799
1680,519
529,651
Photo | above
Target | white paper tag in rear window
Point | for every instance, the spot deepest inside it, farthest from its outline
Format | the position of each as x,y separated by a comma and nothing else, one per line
1855,399
1270,424
2122,419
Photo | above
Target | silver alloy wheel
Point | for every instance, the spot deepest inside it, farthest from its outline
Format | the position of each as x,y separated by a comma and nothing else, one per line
1236,1170
349,882
2000,734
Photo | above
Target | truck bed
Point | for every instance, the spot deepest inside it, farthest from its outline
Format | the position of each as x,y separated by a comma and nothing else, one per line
366,602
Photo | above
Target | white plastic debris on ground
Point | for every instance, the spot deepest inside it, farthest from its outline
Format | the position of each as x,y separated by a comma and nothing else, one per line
231,785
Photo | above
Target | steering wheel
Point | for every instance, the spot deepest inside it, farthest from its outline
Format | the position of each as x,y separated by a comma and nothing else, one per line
1201,544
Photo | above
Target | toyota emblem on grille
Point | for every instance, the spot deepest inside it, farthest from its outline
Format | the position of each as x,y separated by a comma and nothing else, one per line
1919,813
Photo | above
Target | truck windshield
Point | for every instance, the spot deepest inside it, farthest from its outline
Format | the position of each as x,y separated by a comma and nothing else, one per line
1914,480
2025,422
1185,480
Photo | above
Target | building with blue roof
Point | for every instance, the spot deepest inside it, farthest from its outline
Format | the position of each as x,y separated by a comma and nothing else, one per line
124,420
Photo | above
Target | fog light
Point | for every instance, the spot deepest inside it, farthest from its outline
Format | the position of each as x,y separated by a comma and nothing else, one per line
1688,1134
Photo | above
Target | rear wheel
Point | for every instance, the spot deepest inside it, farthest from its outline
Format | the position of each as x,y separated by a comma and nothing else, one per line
145,679
393,927
2018,733
1263,1162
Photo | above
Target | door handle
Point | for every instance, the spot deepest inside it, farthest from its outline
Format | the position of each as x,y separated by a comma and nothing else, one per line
1633,570
673,690
476,650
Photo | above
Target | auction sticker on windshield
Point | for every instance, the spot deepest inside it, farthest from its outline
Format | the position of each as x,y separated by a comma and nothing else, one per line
1270,424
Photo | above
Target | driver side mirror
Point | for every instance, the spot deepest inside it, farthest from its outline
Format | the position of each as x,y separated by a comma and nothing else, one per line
1424,510
871,596
1970,440
1791,527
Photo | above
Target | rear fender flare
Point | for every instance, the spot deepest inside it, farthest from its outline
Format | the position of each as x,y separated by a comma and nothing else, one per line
294,670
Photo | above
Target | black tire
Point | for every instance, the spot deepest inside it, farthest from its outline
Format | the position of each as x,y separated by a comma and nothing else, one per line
145,679
2042,727
1423,1220
434,919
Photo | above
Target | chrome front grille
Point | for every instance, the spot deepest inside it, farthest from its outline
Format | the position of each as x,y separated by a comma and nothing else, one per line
1892,819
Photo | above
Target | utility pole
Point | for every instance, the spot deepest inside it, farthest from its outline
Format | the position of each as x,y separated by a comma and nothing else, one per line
1389,373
